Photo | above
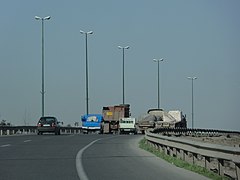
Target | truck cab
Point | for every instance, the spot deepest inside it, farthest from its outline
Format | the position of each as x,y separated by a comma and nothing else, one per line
91,123
127,126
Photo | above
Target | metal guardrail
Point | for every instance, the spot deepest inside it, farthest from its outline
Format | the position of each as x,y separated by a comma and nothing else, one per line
195,132
11,130
211,156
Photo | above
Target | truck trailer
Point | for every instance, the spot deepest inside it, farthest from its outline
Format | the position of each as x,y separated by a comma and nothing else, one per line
158,118
112,115
91,123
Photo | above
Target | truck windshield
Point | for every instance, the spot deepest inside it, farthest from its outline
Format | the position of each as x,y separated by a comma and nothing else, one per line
92,119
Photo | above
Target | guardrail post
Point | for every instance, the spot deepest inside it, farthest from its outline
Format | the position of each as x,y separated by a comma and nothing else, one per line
161,148
220,167
178,153
189,157
171,151
194,158
165,150
182,154
207,162
237,166
8,132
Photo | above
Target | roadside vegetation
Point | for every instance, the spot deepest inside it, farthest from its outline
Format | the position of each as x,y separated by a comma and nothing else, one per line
180,163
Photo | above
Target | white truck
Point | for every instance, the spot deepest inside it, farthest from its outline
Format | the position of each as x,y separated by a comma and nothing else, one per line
127,126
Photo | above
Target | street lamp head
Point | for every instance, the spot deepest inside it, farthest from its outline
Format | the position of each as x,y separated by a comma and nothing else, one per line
47,18
37,18
192,78
158,60
83,32
126,47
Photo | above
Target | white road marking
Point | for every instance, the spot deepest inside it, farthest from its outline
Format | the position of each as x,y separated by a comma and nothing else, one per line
27,140
71,135
81,173
5,145
80,170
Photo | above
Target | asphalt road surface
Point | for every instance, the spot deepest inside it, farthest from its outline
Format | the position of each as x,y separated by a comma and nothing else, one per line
85,157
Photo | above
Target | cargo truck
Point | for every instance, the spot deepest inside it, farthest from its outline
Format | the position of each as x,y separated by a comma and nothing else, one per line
127,126
91,123
112,115
158,118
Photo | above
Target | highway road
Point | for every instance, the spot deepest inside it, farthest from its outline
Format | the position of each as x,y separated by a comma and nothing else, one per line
85,157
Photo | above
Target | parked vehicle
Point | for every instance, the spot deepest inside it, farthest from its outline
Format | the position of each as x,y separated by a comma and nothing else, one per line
48,124
112,115
127,126
91,123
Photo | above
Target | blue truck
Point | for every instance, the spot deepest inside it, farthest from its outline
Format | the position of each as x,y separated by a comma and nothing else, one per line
91,123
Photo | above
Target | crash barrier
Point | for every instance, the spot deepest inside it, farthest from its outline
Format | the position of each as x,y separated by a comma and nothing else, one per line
223,160
11,130
194,132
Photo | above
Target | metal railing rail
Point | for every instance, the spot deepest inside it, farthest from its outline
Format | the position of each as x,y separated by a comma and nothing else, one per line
11,130
189,150
196,132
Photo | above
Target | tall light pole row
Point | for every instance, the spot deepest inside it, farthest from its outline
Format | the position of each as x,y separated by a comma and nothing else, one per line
158,94
123,69
86,54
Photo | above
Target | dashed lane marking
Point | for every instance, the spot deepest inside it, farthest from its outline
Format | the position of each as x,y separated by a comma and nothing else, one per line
27,141
5,145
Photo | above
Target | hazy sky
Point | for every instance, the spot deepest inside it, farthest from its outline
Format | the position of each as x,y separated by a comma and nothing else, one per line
195,38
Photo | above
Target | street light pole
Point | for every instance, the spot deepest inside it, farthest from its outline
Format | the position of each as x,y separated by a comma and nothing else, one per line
158,61
43,91
123,50
192,79
86,37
